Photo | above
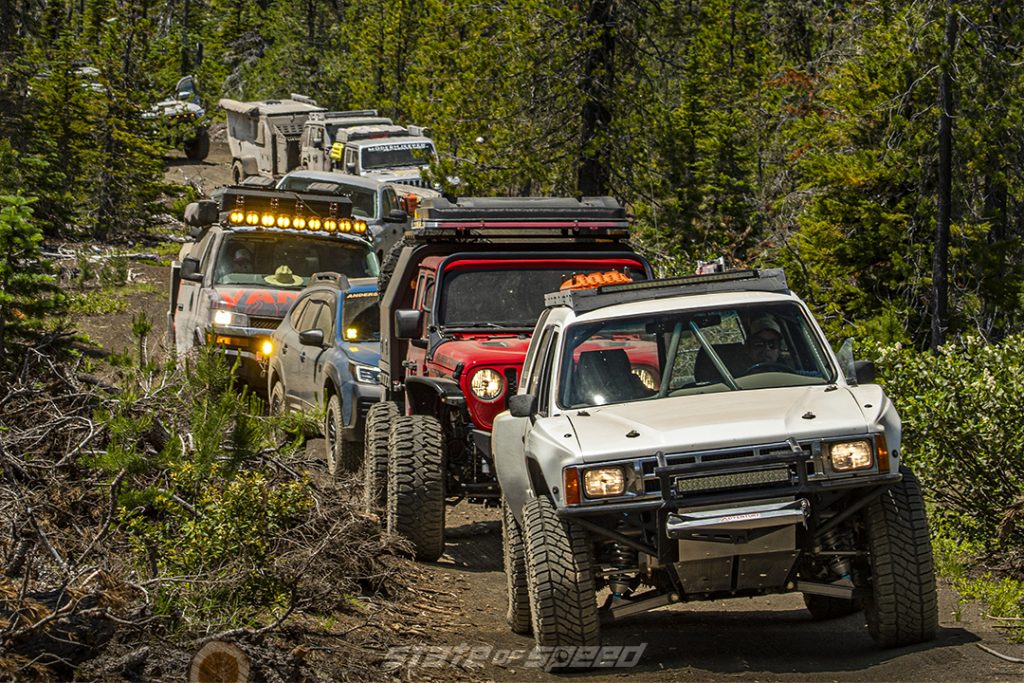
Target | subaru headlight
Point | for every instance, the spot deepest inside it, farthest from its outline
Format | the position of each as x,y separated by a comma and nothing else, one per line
225,318
599,482
486,384
850,455
365,374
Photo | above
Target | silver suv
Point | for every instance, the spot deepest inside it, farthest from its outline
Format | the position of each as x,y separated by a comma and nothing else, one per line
695,439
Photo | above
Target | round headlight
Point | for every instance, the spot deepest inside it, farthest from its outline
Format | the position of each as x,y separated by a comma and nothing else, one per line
486,384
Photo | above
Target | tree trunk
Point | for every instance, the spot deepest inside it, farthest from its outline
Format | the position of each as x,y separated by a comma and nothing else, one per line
596,86
940,258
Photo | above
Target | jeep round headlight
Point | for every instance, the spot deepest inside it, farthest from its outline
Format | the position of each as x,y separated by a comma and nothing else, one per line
646,377
850,455
604,481
486,384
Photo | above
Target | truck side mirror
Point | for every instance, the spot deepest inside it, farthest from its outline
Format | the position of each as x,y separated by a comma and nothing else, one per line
203,212
522,405
350,167
396,216
864,371
190,270
408,323
311,337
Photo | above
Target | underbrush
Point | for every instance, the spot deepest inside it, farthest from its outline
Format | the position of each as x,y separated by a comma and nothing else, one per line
147,520
963,435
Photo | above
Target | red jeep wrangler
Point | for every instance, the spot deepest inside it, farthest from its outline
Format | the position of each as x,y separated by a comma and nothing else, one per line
464,293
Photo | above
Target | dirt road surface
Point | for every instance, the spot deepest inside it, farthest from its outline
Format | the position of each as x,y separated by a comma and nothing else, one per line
764,639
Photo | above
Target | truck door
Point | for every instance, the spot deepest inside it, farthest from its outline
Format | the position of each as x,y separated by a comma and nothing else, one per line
265,156
191,308
416,352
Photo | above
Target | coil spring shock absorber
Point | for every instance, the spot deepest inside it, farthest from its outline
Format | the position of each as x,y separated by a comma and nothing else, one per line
835,540
623,557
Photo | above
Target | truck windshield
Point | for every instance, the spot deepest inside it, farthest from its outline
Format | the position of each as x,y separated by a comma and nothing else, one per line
287,261
364,200
679,353
398,154
507,296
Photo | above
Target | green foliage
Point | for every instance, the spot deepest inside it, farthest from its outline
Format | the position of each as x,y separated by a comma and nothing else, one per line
210,515
1002,596
963,434
28,289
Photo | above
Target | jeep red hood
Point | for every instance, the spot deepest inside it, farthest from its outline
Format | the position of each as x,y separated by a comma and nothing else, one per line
482,351
720,420
263,302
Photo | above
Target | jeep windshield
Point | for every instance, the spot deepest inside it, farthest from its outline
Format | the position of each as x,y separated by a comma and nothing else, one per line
679,353
505,296
398,154
286,261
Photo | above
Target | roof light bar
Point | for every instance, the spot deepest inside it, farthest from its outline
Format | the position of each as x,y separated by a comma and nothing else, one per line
275,210
763,280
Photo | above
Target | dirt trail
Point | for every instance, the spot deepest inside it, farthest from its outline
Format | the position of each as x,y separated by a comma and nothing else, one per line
770,638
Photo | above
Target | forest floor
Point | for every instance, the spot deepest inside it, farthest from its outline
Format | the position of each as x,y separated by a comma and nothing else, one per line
457,629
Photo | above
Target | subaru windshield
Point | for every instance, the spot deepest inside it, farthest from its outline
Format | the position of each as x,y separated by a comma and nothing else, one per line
680,353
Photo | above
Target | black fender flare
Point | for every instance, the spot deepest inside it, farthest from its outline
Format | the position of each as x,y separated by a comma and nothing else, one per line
437,396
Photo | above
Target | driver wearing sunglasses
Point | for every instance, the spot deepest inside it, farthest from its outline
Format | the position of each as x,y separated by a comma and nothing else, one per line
764,343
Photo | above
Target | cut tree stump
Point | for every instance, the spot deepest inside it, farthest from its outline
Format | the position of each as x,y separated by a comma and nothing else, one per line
219,662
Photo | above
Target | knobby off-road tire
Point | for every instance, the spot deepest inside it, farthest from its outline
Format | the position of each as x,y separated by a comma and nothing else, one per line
375,454
416,483
823,607
560,575
901,608
516,584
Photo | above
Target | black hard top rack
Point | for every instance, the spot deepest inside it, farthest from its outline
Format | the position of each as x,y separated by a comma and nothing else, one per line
758,280
311,204
519,217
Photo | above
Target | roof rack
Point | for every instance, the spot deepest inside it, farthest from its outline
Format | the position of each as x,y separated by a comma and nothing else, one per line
517,217
329,277
758,280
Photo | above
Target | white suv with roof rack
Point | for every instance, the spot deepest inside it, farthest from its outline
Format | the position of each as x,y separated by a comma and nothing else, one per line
695,439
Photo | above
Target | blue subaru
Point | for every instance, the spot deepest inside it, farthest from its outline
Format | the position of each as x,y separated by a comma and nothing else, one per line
325,355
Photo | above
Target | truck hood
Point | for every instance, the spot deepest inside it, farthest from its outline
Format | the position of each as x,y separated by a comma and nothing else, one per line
481,351
720,420
263,302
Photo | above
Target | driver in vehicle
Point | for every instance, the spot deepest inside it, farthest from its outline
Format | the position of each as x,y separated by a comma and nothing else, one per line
764,344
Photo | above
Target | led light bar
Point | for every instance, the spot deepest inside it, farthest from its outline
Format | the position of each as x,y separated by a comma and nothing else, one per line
269,209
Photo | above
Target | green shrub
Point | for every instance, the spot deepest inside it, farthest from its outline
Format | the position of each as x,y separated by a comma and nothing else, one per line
963,434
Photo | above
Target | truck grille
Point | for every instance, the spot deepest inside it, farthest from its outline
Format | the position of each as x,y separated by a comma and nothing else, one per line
512,381
264,323
760,477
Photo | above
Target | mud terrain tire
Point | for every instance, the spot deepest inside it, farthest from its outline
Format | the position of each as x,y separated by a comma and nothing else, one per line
375,456
516,584
901,608
560,575
416,483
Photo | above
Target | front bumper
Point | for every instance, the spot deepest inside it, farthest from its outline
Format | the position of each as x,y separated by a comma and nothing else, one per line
245,347
357,400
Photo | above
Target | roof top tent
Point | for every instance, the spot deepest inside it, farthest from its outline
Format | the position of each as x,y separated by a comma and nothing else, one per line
264,135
